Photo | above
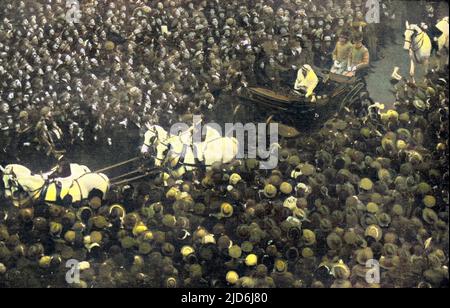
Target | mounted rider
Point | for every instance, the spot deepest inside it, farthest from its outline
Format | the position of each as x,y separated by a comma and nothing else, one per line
49,134
62,170
23,186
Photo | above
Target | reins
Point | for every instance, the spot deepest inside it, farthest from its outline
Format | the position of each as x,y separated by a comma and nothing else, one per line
413,43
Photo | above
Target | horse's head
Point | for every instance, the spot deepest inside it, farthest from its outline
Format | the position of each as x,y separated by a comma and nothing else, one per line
154,135
20,187
10,183
162,151
156,139
410,33
7,180
149,140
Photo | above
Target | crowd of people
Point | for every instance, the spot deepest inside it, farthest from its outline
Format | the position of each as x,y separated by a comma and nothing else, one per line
360,188
123,64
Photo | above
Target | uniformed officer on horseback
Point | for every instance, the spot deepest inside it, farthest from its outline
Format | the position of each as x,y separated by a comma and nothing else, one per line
49,134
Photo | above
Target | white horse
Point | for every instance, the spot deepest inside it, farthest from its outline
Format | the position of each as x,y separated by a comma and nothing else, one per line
22,186
182,154
153,136
76,170
418,43
442,40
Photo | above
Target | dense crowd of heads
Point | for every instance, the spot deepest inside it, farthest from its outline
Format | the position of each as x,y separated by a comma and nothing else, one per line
124,64
358,189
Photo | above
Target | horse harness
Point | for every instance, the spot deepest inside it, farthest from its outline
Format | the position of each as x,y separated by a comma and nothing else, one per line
181,161
46,189
413,43
58,192
40,193
20,187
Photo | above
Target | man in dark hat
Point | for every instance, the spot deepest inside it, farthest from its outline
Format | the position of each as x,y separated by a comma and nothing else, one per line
327,52
388,23
63,169
317,46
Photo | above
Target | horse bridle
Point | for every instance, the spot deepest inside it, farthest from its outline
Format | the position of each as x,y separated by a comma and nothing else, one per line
167,145
76,181
182,155
20,187
412,42
152,143
158,139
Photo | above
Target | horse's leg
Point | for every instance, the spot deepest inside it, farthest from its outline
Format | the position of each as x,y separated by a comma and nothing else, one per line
412,70
67,200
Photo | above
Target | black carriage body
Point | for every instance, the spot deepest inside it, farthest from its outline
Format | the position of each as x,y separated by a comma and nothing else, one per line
338,92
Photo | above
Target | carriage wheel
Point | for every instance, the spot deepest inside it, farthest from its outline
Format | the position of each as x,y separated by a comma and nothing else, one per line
353,98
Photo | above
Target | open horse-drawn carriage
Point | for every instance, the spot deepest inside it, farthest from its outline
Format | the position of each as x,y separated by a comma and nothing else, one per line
289,107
